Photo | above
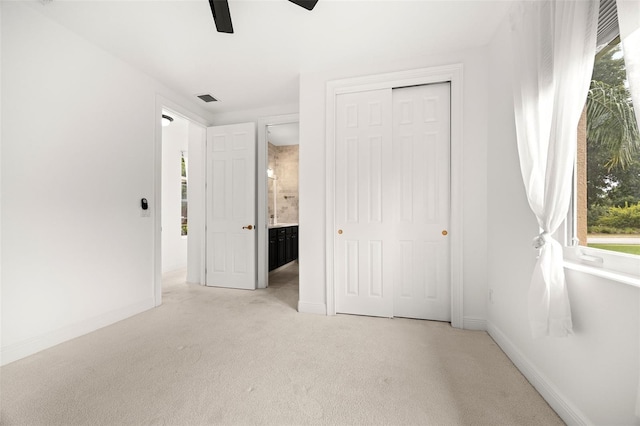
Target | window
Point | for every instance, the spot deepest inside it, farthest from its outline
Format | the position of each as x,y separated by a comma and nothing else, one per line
183,188
604,223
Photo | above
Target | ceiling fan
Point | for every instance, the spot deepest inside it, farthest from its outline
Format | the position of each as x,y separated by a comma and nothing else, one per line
222,17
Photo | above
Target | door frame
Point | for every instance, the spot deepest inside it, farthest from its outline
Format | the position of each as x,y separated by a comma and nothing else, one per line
449,73
262,160
164,103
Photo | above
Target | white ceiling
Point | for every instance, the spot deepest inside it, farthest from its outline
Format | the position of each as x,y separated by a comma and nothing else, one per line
274,40
283,134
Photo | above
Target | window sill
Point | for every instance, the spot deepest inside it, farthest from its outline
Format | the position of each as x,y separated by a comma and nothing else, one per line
604,273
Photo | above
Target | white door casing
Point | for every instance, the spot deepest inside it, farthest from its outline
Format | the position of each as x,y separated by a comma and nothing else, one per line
231,208
421,135
363,203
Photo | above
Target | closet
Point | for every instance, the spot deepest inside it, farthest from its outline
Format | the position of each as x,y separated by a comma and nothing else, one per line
392,202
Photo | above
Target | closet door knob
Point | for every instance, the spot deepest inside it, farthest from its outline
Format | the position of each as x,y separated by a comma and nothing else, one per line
249,227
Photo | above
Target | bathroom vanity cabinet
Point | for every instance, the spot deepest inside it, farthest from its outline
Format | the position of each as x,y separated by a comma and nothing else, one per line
283,245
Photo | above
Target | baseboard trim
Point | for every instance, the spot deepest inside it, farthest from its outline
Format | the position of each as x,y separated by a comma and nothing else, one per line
34,345
312,308
565,409
471,323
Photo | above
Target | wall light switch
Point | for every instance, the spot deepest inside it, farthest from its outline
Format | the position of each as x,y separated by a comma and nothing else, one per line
144,206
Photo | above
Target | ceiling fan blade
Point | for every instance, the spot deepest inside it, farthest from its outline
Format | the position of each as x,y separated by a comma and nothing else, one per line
221,16
307,4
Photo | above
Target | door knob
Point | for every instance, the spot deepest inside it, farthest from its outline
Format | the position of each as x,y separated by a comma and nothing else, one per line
340,231
249,227
444,232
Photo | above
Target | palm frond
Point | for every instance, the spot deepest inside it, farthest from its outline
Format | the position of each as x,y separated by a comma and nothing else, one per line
611,123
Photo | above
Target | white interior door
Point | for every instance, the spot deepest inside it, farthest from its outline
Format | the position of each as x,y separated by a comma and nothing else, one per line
421,134
363,203
391,254
231,206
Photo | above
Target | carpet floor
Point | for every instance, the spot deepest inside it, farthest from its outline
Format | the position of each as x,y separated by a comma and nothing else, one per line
234,357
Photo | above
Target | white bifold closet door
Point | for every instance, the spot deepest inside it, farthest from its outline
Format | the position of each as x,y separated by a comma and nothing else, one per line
393,203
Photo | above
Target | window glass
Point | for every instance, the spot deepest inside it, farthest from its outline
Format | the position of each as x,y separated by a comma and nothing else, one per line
612,187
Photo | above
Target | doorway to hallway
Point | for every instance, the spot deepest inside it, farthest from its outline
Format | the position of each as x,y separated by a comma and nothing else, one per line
175,154
179,215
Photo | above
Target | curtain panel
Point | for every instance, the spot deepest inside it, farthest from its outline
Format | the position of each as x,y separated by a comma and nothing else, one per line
553,46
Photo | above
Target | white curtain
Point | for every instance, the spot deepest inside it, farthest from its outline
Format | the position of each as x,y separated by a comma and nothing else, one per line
629,22
553,49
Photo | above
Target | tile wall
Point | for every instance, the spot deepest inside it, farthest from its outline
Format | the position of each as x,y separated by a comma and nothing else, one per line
284,162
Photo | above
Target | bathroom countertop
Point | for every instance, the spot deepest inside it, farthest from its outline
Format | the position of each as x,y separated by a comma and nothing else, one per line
281,225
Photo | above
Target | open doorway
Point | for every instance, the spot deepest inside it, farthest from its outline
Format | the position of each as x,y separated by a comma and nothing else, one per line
278,201
282,207
182,199
175,154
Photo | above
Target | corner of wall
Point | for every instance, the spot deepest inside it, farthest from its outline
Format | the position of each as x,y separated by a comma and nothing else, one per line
312,308
473,323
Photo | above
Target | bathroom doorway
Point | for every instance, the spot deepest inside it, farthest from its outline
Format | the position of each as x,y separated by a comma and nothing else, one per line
278,201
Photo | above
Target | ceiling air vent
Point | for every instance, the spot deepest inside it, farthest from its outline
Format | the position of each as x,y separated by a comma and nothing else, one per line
207,98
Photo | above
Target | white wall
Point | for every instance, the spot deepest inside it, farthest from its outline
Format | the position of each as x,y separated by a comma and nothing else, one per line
592,376
77,156
175,140
312,176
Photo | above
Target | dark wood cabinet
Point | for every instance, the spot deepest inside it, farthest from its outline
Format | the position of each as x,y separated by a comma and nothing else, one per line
273,250
294,244
283,246
287,246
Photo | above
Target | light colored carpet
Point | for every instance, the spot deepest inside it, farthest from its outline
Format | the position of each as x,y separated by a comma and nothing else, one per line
219,356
